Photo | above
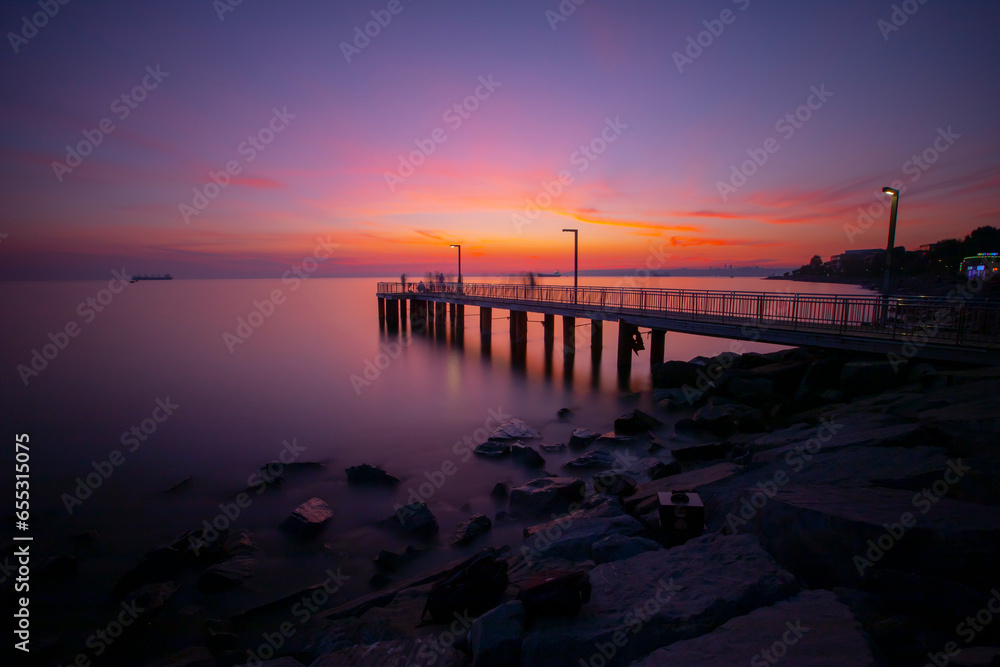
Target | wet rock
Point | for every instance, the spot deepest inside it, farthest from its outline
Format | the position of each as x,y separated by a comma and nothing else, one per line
636,422
619,547
282,662
514,429
614,483
227,575
503,516
183,484
393,652
158,564
467,531
662,469
309,517
670,374
414,519
581,437
682,593
500,491
526,455
563,413
557,447
379,580
813,626
615,439
496,636
546,495
492,449
389,561
369,474
595,458
645,501
153,597
706,452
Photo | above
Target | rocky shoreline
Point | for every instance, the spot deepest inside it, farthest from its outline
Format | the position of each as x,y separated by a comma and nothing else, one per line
852,516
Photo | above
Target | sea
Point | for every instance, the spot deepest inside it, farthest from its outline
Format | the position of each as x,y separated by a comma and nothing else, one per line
148,409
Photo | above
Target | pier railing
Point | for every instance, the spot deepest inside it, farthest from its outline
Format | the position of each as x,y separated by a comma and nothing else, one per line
907,318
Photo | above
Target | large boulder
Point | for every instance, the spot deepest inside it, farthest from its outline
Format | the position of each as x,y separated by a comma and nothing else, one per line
728,418
546,495
645,502
369,474
860,378
496,636
618,546
594,459
636,422
670,374
526,455
514,429
812,628
656,598
309,517
836,537
572,537
414,519
581,437
226,575
706,452
492,449
467,531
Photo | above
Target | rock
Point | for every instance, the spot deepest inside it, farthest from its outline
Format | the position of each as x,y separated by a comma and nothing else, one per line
196,656
662,469
707,452
563,413
184,483
595,458
58,567
86,539
546,495
670,374
614,483
158,564
389,561
572,537
860,378
581,437
492,449
680,593
814,628
614,439
619,547
153,597
414,519
834,536
495,637
369,474
677,397
226,575
526,455
514,429
636,422
853,435
395,653
558,447
645,500
309,517
500,491
379,580
726,419
821,375
282,662
503,516
784,376
467,531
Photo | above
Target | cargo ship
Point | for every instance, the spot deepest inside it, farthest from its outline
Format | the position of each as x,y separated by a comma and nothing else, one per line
136,278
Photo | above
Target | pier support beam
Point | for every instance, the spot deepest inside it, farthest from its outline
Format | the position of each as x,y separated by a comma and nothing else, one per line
381,312
402,310
596,338
657,346
569,335
486,321
460,316
452,310
392,315
549,328
418,316
439,309
626,334
518,325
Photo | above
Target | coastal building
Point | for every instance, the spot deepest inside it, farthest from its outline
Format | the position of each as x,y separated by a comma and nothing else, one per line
856,261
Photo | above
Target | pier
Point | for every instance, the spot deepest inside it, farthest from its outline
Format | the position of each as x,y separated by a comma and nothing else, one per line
958,329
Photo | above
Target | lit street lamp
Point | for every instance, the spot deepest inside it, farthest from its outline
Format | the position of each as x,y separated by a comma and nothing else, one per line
892,192
576,260
455,245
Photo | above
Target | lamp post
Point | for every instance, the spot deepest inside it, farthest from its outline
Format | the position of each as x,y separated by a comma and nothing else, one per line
576,260
455,245
892,192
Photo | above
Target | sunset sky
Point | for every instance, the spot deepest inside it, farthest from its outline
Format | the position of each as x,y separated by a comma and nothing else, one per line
612,119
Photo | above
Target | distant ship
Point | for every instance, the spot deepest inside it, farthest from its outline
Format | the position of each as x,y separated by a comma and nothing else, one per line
554,274
160,276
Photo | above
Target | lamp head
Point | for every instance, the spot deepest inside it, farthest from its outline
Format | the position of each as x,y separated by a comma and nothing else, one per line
569,230
454,245
890,191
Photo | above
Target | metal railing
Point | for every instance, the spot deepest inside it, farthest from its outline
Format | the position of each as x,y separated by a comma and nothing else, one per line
920,319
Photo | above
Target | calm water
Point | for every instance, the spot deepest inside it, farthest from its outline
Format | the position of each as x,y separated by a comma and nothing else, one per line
291,380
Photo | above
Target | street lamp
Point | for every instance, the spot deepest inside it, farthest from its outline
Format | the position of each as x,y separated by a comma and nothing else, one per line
576,260
455,245
892,192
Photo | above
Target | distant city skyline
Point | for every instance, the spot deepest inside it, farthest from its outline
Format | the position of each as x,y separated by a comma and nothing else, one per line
223,140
